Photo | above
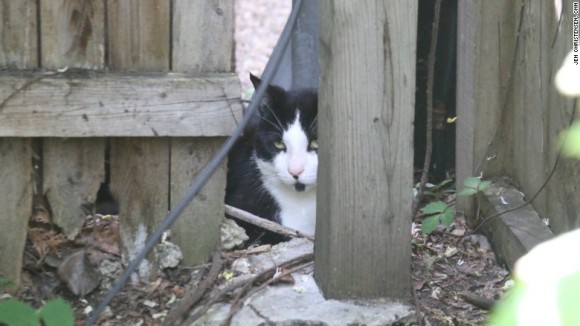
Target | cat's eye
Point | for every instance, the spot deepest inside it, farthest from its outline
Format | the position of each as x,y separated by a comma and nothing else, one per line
279,144
313,144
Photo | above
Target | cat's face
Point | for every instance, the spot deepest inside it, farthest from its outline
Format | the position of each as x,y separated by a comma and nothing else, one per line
286,138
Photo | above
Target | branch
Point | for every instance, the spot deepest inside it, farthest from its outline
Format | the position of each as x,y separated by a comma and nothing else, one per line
265,224
430,76
193,297
246,284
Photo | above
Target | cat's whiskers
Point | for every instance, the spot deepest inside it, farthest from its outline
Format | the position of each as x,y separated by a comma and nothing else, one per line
267,105
314,123
279,128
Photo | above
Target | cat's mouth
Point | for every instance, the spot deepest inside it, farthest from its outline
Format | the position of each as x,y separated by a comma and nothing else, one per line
299,186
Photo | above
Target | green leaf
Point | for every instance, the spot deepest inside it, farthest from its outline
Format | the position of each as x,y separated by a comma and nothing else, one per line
467,192
444,183
568,298
57,312
472,182
441,213
448,216
434,208
17,313
484,185
429,224
570,141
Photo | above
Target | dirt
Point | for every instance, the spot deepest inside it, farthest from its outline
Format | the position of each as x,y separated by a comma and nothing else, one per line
449,265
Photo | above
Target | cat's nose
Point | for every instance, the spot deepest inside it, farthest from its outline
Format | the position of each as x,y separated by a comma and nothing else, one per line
295,172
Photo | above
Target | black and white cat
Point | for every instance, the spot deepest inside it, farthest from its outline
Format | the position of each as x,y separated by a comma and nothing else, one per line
272,169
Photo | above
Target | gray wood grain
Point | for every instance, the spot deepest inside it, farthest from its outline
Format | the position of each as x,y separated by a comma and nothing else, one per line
18,38
139,35
365,172
73,171
99,105
72,34
16,202
203,35
197,230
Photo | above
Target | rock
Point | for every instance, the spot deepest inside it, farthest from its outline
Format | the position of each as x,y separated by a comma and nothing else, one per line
301,303
168,255
232,235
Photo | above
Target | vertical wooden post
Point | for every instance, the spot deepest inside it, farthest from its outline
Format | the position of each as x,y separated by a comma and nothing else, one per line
367,92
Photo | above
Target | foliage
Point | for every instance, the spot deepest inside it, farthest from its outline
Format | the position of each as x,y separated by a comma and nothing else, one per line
439,213
570,140
442,213
55,312
473,185
547,289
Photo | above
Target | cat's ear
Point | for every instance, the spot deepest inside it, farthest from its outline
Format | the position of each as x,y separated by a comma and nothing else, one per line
255,80
272,92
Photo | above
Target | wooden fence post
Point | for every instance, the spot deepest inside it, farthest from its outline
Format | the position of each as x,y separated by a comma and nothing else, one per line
367,92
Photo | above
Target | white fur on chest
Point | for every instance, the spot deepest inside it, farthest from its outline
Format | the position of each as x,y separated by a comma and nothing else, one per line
297,209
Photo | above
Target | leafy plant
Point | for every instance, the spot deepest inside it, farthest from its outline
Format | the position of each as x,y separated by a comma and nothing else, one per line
473,185
440,190
438,212
55,312
442,213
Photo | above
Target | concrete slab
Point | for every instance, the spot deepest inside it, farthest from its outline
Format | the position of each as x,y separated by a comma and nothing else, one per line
302,303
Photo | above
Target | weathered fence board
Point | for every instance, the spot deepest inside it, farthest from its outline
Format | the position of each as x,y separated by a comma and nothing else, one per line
16,203
139,40
508,107
528,125
73,171
139,180
18,45
18,49
99,105
203,35
198,228
139,35
366,112
196,50
76,110
73,34
482,90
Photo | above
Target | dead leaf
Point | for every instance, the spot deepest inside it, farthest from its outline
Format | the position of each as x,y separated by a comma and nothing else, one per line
79,274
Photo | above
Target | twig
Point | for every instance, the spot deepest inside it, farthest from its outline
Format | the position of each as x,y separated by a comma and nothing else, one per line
239,299
429,139
478,301
250,251
193,297
268,273
265,224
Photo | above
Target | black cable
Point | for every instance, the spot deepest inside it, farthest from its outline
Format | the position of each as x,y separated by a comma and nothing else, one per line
211,167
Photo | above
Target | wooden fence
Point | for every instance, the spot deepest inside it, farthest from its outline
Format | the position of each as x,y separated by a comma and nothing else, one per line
509,112
150,77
